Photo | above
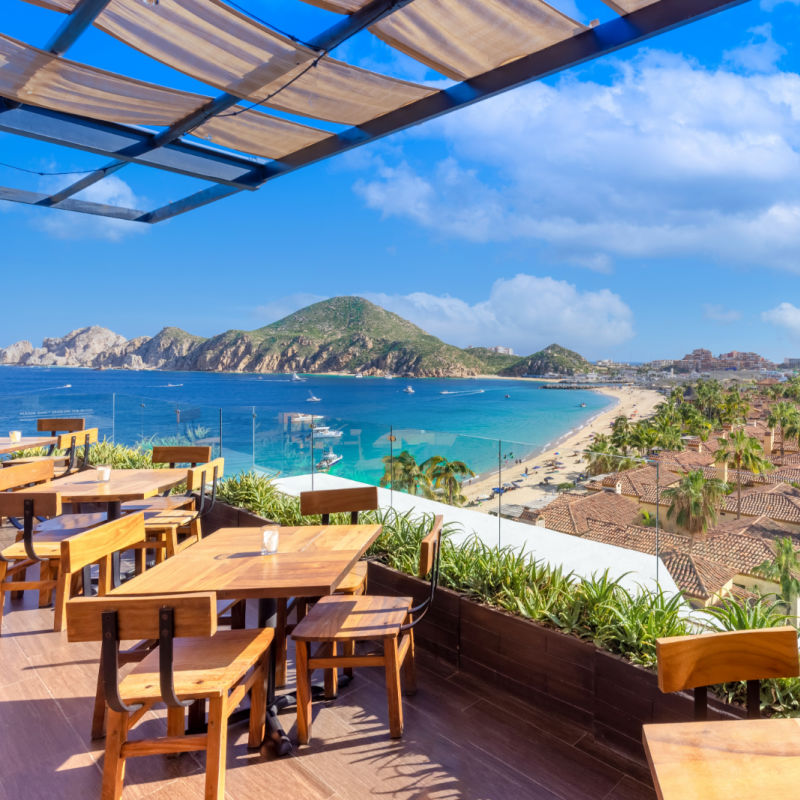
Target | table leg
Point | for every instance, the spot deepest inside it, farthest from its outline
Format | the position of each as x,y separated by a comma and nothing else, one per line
113,511
267,618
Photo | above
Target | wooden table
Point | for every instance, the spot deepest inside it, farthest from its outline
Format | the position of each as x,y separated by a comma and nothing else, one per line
311,562
25,443
724,760
124,485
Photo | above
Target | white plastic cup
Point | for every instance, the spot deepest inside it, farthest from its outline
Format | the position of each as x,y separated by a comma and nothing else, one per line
269,541
15,436
103,473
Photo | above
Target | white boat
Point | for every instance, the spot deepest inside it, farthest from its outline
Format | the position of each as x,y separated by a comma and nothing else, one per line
359,375
389,376
325,432
312,398
328,460
296,377
409,390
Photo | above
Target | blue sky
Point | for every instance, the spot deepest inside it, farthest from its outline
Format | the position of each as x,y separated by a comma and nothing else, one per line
636,207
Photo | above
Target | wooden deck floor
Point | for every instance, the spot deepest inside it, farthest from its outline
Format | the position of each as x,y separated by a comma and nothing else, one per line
463,740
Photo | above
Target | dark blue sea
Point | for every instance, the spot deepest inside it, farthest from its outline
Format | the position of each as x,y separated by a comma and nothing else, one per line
473,420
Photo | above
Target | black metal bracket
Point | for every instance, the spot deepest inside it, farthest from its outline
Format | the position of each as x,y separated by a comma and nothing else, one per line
166,635
109,661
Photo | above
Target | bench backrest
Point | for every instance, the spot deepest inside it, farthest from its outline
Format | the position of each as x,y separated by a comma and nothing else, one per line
193,454
685,662
204,474
430,547
77,438
12,504
18,475
57,424
334,501
137,617
102,540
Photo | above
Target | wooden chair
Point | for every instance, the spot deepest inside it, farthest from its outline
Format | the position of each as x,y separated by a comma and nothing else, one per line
71,442
344,620
193,662
324,503
697,662
172,456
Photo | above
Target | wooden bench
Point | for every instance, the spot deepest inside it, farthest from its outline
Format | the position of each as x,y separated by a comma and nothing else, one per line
192,663
341,620
54,426
62,555
191,455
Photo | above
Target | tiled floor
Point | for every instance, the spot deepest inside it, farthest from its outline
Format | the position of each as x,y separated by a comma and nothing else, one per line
463,739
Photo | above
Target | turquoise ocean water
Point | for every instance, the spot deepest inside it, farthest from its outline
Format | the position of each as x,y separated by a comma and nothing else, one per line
468,419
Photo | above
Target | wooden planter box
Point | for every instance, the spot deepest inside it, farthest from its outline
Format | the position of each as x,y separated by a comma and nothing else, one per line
226,516
549,669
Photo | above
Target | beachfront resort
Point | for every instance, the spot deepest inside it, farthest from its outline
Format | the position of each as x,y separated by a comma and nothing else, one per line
347,536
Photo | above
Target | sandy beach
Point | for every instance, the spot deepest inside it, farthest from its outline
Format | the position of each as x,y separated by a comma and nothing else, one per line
633,402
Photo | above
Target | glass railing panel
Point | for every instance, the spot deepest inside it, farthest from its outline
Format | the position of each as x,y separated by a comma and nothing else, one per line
20,412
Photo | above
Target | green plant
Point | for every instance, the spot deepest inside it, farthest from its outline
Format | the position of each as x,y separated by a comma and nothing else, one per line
694,500
742,452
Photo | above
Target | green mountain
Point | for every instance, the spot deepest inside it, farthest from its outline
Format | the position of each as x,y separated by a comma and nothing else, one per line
343,334
554,359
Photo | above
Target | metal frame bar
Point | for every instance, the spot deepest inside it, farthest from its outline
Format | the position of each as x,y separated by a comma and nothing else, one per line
606,38
80,18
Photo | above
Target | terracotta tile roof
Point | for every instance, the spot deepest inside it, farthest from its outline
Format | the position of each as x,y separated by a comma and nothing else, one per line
734,547
695,575
683,460
633,481
569,513
779,502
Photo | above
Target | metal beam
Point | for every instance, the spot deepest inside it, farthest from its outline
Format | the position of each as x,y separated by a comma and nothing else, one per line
123,142
332,37
81,17
99,209
601,40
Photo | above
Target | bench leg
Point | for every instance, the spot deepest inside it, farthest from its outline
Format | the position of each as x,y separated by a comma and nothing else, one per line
62,595
303,681
393,687
217,748
279,643
114,767
99,711
409,666
258,705
3,589
331,681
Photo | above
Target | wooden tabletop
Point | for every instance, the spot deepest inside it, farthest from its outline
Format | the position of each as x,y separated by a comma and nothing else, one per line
311,561
26,442
124,485
724,760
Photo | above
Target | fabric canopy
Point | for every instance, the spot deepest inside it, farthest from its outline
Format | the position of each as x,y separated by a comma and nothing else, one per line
221,47
32,76
463,38
626,6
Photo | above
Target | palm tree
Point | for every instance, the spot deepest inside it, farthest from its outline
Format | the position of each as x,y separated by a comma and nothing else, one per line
709,397
447,476
602,456
405,474
643,438
741,452
791,432
784,569
783,414
621,432
694,500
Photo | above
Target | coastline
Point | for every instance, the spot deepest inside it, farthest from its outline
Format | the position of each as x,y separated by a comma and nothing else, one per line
630,401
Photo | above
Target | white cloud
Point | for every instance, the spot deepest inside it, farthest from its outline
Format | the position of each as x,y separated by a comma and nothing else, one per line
786,316
526,312
111,190
760,54
668,159
717,313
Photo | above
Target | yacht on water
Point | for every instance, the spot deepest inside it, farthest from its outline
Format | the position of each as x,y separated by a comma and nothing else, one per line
312,398
328,460
359,375
409,390
326,432
296,377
